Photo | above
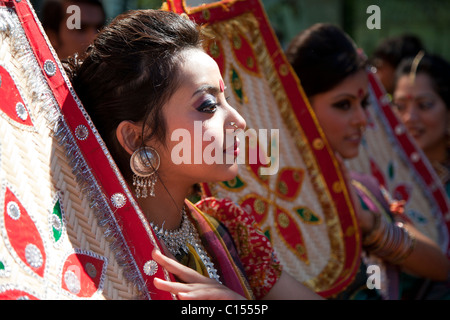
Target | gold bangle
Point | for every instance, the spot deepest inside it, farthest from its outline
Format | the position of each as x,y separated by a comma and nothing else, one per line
376,231
408,246
395,243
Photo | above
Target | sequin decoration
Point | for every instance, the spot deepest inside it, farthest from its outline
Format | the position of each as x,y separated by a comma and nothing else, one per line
50,68
83,273
8,293
22,237
150,267
307,215
33,256
91,270
4,268
234,184
13,210
214,48
257,206
289,182
72,282
244,54
56,220
399,129
118,200
291,234
81,132
318,144
21,111
415,157
12,105
237,86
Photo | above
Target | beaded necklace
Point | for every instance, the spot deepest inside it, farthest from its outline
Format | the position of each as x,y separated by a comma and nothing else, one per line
177,240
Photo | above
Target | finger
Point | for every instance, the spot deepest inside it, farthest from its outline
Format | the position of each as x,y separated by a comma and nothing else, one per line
184,273
172,287
166,251
212,293
184,288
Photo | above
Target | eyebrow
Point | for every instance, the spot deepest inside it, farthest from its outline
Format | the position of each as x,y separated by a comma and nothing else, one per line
206,88
347,95
425,95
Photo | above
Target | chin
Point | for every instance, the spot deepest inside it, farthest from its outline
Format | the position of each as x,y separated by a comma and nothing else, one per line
350,155
229,173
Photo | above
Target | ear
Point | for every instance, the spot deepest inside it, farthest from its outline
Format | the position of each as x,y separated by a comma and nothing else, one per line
129,135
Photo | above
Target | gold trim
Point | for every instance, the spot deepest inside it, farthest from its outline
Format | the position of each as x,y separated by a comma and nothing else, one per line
247,23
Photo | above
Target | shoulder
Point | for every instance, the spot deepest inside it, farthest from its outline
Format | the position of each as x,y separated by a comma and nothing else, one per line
223,209
255,251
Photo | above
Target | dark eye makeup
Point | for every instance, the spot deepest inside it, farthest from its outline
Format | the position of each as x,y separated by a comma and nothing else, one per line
209,105
342,104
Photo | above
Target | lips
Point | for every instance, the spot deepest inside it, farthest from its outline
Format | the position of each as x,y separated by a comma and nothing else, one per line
235,149
415,131
355,138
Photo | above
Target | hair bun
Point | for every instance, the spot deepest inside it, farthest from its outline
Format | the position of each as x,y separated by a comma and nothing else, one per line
71,66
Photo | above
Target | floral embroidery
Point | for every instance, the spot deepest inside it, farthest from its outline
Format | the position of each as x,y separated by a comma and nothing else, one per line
260,262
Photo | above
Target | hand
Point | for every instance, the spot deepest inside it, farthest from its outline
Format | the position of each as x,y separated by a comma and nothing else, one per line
193,285
398,207
365,218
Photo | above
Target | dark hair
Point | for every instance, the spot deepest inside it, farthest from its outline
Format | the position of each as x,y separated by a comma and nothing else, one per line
52,12
323,56
435,67
393,50
130,71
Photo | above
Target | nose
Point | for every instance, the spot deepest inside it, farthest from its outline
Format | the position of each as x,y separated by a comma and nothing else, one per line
410,114
235,118
360,117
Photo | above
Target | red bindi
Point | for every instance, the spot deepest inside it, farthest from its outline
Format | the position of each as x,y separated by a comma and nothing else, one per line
360,93
221,85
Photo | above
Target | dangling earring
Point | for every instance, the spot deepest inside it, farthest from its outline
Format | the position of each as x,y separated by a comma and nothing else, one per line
144,163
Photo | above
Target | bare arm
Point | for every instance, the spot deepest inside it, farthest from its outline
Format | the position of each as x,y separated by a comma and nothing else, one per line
288,288
427,259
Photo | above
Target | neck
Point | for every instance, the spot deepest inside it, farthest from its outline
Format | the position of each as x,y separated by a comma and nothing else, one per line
165,208
437,153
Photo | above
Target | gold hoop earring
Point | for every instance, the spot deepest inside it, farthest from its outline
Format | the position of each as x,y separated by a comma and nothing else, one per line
144,163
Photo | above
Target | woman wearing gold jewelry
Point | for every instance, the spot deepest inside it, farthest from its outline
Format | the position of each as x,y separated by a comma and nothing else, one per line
150,88
422,101
333,75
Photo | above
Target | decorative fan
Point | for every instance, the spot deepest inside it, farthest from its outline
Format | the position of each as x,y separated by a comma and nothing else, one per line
64,203
390,154
303,207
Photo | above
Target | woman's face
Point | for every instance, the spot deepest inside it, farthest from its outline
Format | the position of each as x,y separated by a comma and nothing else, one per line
422,111
341,113
200,145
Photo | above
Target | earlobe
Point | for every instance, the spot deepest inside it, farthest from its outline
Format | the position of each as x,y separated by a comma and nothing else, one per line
129,135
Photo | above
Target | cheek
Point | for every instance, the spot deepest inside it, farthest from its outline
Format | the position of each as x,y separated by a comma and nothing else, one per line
213,136
332,128
334,139
436,119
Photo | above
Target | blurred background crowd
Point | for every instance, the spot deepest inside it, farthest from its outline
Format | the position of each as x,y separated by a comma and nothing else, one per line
425,19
